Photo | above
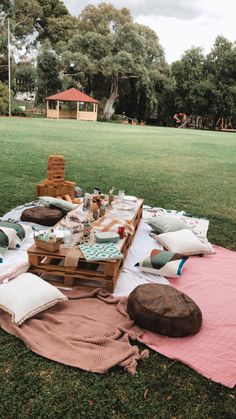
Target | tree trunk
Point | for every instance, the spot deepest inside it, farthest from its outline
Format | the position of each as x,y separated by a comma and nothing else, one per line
109,109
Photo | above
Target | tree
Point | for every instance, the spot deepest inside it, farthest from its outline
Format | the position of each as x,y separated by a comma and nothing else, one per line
221,70
25,77
110,47
189,75
55,23
23,14
48,68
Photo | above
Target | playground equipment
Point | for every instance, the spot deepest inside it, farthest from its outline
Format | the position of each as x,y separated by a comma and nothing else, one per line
224,124
181,120
127,120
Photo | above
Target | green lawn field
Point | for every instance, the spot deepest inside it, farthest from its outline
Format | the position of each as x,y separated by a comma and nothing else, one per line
178,169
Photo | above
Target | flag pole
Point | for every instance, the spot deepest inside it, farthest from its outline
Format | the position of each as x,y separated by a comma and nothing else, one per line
9,66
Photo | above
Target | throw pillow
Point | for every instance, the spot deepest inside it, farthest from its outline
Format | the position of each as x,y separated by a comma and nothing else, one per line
4,244
46,201
22,231
27,295
184,242
160,262
8,239
166,224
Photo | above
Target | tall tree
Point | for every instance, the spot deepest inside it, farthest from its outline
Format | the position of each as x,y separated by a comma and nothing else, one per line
221,70
189,75
111,47
25,77
55,22
48,68
22,15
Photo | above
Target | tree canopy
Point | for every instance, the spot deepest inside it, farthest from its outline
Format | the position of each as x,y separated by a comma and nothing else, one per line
109,48
104,53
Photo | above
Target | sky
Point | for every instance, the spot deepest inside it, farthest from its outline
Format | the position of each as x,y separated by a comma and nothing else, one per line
179,24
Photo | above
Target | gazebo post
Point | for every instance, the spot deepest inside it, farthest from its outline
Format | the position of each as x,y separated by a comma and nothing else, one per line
47,102
58,110
77,114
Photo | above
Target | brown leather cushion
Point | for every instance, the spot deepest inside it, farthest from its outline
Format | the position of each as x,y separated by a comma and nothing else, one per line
42,215
165,310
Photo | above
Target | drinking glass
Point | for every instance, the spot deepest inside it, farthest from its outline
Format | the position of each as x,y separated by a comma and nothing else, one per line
121,195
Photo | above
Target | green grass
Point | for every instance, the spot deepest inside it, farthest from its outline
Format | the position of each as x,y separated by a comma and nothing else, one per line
186,170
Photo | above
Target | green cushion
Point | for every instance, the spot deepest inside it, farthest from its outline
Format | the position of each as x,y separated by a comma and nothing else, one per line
4,244
20,231
166,224
161,262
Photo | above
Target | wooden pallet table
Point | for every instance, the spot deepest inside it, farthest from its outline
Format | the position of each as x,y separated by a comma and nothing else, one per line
86,274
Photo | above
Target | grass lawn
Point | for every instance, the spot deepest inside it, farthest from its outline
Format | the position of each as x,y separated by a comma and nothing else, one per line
179,169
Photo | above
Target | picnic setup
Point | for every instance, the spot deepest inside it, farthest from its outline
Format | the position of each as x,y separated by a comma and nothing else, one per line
83,275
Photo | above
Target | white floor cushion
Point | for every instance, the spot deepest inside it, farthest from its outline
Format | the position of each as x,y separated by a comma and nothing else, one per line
27,295
184,242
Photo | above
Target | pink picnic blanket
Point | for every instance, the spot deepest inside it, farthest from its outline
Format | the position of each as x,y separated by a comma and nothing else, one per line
91,331
211,282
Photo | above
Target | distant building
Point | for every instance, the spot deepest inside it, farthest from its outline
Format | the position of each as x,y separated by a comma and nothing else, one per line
26,96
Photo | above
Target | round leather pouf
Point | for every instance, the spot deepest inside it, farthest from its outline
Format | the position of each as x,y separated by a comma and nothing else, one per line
165,310
41,215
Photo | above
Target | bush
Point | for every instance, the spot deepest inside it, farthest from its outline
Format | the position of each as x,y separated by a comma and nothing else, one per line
3,99
17,111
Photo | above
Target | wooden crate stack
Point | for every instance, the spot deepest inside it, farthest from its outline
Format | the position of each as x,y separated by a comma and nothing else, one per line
55,184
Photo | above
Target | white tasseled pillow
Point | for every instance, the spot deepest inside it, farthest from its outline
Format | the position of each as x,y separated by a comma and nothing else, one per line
27,295
184,242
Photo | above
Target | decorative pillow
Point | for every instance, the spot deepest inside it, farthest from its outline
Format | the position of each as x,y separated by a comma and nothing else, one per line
22,231
4,244
184,242
46,201
8,239
27,295
160,262
164,309
166,224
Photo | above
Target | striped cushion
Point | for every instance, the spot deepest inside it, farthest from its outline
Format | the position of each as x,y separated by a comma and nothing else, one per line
161,262
8,239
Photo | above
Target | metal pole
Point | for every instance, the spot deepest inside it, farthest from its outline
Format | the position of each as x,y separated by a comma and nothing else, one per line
9,66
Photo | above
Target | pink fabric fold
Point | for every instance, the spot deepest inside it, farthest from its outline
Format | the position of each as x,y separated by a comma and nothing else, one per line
91,331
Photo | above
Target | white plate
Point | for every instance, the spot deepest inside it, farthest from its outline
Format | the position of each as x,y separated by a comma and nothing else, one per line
124,215
130,198
121,206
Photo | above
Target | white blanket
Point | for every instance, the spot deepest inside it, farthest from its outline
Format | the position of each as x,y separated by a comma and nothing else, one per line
130,276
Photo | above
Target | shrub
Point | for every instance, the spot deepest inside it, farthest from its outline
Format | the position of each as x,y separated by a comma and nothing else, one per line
3,99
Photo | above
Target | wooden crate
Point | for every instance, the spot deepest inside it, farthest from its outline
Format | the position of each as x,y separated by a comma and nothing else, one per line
85,274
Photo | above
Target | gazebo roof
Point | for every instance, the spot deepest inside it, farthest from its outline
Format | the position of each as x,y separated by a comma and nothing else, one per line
72,95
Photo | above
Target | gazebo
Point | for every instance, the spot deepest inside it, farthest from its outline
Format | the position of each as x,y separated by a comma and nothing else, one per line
72,104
